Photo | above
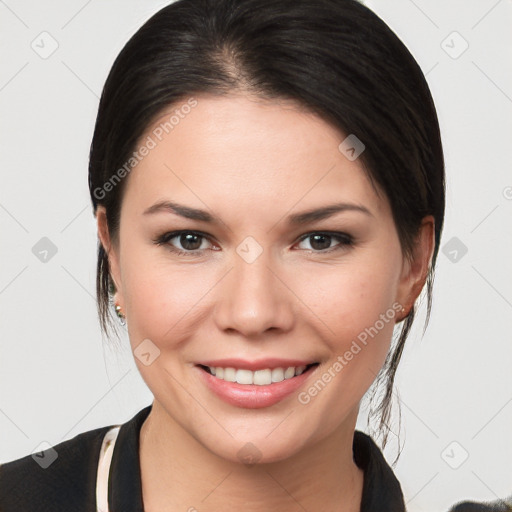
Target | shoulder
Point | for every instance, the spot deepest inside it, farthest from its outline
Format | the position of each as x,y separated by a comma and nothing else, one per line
381,488
62,477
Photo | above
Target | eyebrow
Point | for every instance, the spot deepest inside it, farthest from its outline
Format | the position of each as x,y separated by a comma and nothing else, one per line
305,217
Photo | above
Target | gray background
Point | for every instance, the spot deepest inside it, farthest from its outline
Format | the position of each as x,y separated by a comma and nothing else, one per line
57,377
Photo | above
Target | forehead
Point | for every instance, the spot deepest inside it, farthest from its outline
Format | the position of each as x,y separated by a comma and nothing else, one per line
245,151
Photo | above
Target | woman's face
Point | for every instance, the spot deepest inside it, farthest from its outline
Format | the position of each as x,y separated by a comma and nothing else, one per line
257,281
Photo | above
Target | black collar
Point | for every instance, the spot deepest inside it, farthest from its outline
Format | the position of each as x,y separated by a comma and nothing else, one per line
381,489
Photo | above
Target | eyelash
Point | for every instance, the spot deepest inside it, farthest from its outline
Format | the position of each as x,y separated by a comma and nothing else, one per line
345,239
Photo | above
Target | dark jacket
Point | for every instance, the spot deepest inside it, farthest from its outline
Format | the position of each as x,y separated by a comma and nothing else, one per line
43,483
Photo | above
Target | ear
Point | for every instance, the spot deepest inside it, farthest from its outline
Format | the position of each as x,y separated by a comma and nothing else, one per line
416,266
110,249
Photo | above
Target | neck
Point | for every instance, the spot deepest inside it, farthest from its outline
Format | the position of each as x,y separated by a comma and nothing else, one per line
179,473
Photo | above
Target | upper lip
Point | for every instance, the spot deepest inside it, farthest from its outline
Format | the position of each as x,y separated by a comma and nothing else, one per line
259,364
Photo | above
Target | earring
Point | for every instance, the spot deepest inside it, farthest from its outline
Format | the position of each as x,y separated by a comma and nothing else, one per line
120,315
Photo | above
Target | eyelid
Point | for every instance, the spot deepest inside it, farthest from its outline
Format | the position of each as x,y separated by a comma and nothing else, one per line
334,234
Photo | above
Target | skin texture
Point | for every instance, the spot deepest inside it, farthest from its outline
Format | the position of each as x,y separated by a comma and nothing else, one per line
251,163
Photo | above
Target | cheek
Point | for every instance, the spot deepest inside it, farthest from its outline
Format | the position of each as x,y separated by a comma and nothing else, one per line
360,318
163,300
356,310
351,298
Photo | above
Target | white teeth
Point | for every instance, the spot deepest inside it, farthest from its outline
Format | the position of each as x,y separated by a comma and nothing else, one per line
277,375
299,370
289,372
262,377
244,376
259,377
230,374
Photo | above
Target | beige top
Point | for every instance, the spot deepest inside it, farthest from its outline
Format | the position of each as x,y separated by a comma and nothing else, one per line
105,458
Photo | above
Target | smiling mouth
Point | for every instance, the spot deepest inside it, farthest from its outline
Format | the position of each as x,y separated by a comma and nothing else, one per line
262,377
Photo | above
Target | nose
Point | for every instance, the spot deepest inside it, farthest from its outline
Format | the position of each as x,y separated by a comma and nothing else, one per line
254,298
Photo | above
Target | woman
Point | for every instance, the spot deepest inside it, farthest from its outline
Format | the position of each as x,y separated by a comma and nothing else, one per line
268,183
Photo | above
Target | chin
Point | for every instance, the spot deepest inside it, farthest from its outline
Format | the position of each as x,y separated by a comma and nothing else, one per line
258,452
258,445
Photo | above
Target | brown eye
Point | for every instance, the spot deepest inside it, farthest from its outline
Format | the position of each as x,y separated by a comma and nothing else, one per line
321,242
183,242
189,241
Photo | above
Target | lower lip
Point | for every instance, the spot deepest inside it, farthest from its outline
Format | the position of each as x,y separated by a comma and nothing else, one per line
252,396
